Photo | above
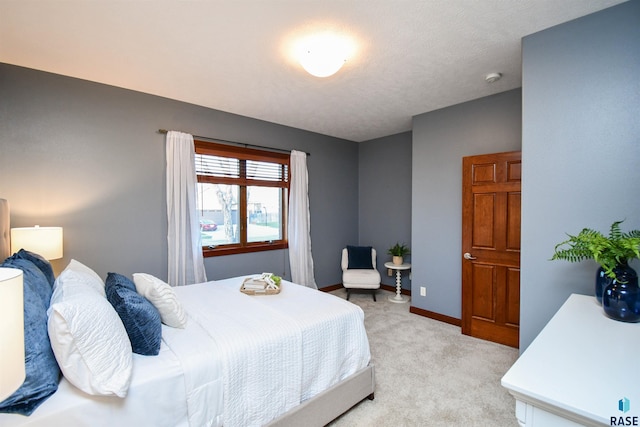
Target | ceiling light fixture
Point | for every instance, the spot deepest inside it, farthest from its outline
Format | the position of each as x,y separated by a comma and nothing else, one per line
493,77
323,54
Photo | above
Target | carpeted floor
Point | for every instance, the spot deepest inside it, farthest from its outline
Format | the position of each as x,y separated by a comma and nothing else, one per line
428,373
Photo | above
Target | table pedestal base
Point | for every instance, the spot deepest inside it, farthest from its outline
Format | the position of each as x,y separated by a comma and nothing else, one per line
398,299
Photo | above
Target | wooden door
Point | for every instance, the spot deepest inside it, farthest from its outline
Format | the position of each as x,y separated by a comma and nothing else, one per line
491,247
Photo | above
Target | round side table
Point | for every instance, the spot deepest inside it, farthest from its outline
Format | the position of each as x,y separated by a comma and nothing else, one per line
398,268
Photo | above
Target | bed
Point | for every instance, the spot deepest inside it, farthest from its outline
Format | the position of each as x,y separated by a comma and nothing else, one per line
300,357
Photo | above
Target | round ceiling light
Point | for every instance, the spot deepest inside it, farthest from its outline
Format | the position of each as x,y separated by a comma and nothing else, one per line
323,54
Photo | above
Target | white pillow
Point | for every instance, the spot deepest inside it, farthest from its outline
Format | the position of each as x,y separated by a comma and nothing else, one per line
92,278
88,338
163,297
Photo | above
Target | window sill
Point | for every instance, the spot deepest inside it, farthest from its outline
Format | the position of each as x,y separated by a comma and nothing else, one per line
233,250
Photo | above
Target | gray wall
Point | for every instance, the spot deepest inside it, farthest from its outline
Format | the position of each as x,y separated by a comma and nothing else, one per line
440,140
385,197
88,157
581,149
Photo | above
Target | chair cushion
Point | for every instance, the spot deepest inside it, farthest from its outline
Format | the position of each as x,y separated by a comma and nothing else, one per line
359,257
361,279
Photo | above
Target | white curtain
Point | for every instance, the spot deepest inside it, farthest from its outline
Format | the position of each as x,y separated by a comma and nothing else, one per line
299,230
186,264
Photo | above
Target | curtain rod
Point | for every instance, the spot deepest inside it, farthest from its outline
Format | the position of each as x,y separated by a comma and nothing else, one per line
282,150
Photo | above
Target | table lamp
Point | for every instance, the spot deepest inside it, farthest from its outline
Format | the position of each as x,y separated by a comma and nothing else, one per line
44,241
12,369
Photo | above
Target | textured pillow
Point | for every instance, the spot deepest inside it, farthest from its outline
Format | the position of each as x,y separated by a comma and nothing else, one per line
162,296
140,318
40,262
88,338
91,278
359,257
42,371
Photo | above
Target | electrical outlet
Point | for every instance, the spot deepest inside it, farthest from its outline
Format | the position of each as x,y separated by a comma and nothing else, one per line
389,272
423,291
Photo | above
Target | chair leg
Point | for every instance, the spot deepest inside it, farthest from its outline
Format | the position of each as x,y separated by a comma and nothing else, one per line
348,293
373,292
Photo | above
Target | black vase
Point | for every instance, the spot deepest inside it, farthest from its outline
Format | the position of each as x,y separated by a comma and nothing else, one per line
621,297
602,280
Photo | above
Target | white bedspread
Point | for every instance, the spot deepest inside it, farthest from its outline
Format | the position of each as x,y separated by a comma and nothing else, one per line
241,361
279,350
156,397
202,368
334,339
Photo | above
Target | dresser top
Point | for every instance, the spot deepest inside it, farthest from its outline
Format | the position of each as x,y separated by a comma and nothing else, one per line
582,363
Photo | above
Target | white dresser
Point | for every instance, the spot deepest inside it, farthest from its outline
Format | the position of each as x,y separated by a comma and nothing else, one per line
578,369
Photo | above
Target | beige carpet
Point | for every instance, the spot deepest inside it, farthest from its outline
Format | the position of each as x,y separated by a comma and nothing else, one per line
428,373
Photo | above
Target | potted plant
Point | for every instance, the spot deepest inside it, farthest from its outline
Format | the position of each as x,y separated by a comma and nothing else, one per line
613,253
398,251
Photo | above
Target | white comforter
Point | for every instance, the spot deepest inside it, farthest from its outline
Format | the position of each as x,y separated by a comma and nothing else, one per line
241,361
157,395
278,350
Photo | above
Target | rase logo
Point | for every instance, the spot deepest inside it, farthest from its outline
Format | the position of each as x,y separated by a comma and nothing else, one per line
623,406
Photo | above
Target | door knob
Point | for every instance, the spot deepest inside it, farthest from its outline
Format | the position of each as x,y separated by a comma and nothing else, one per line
467,255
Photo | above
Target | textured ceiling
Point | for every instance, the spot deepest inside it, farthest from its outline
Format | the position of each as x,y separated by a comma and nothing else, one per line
413,56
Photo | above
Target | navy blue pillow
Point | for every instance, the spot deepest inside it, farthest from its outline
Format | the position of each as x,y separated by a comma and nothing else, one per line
40,262
42,371
359,257
140,318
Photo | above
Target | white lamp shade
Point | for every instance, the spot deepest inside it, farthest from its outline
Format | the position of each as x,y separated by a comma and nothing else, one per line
12,371
44,241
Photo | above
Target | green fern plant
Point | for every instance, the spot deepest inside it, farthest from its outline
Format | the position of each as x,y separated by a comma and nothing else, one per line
618,248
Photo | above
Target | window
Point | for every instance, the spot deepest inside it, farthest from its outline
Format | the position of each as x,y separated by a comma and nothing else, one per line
242,198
